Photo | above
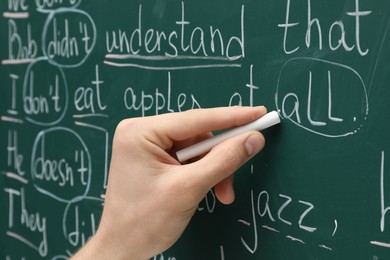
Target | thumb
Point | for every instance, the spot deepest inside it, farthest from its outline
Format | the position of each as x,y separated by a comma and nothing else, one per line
225,158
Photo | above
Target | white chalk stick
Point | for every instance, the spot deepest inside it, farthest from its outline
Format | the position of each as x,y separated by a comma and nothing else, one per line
268,120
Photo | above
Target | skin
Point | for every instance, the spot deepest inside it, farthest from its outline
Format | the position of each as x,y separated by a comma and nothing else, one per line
151,197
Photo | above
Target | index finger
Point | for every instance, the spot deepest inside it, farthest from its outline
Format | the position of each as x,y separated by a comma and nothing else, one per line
185,125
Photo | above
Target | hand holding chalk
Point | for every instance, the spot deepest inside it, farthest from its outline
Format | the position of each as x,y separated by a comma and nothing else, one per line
144,177
268,120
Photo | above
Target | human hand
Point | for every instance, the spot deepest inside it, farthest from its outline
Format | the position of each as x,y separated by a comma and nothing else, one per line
151,197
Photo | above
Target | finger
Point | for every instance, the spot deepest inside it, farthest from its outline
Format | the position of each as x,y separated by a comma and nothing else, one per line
186,143
224,190
182,126
225,158
193,140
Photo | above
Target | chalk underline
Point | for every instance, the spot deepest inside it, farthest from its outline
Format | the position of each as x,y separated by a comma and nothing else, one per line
168,57
22,239
89,115
382,244
16,15
15,176
130,60
11,119
17,61
184,67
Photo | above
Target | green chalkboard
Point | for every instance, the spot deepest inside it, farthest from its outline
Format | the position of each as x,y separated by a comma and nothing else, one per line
72,69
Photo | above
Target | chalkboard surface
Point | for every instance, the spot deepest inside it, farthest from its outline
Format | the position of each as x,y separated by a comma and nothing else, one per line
72,69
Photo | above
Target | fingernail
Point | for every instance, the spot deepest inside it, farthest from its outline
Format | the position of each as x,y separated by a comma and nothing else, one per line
252,145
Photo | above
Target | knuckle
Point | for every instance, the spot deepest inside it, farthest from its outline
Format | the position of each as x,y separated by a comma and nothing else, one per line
125,124
126,130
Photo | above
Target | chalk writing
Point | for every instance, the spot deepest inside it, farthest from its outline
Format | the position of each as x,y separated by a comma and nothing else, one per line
88,99
33,222
45,93
14,158
336,33
237,98
210,201
384,209
13,109
161,257
205,45
20,48
17,5
79,227
55,4
62,43
72,174
263,210
321,99
157,101
72,69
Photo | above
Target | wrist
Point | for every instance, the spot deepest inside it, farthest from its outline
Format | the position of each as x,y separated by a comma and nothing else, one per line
102,246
